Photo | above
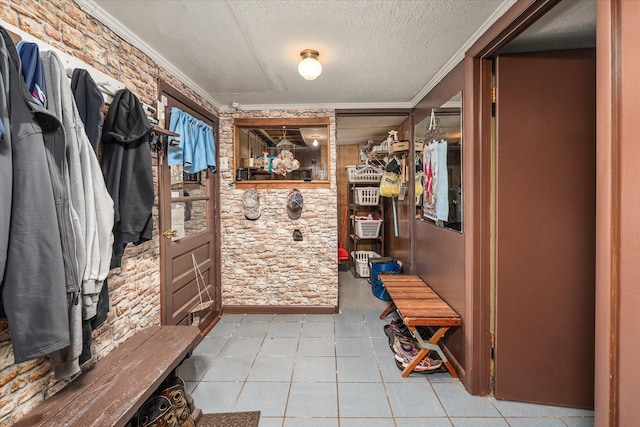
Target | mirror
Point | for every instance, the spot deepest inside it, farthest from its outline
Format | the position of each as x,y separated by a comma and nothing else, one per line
441,171
281,150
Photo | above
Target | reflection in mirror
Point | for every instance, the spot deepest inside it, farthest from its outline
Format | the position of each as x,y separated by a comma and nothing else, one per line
281,149
441,165
189,217
195,184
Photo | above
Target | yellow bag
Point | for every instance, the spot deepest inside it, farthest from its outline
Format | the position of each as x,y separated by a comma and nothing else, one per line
419,186
390,185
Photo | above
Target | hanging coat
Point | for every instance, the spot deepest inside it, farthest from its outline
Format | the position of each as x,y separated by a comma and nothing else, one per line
126,165
90,200
33,289
90,102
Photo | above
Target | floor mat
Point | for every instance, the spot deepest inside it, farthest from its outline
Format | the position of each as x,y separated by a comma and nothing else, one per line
230,419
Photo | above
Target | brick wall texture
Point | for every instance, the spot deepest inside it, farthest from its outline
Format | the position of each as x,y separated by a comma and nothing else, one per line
261,265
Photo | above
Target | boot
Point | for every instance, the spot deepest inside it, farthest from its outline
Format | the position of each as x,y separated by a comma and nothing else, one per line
157,412
173,389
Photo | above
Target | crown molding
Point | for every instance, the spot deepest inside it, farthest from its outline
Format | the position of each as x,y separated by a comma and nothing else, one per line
329,106
459,55
90,7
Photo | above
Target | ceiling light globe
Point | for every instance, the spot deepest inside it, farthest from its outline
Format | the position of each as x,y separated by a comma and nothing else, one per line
309,67
315,142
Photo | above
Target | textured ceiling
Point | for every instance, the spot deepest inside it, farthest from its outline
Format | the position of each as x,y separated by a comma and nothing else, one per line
375,54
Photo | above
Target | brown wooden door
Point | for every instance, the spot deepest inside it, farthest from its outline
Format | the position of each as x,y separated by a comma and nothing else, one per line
545,228
189,226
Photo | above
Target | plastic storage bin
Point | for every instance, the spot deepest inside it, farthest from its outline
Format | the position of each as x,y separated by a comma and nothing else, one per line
368,228
364,173
378,266
367,196
361,259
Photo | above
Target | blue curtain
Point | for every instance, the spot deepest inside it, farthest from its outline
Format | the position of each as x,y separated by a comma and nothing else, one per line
197,146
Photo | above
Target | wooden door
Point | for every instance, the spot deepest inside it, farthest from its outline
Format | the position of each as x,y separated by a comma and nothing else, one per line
545,228
189,227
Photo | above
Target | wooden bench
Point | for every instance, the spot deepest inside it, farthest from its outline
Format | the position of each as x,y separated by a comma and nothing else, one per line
110,393
418,305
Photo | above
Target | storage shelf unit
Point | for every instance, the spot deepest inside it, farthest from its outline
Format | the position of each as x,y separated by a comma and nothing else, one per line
365,236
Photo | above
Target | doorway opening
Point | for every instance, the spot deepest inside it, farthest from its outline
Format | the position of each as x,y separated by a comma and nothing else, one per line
357,131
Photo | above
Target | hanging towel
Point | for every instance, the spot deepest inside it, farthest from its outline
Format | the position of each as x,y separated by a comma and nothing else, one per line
197,146
90,102
430,165
442,202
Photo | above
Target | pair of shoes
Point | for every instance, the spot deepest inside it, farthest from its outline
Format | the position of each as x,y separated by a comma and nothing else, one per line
392,335
404,352
399,328
426,365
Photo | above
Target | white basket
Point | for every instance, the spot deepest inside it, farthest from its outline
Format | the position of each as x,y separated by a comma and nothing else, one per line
361,259
367,196
368,228
364,173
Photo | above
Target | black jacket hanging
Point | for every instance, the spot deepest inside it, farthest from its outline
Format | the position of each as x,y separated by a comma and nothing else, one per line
126,165
90,101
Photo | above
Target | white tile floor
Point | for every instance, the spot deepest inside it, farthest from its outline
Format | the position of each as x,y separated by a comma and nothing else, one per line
338,371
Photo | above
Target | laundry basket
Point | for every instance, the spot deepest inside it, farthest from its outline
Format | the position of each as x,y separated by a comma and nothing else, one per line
364,173
367,196
368,228
361,259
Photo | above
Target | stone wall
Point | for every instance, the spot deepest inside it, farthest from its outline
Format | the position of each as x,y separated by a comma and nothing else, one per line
261,264
134,288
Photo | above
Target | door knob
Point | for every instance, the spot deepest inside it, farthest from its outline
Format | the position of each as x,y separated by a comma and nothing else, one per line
170,233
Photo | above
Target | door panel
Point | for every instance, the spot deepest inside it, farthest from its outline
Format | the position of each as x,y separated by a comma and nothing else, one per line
189,216
545,227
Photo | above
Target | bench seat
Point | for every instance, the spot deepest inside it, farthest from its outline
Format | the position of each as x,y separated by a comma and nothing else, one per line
419,305
110,393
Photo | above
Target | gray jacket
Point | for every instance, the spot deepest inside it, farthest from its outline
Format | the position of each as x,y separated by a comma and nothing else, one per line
90,199
33,289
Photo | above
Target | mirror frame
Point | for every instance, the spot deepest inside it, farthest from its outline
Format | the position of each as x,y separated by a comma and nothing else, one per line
288,122
447,109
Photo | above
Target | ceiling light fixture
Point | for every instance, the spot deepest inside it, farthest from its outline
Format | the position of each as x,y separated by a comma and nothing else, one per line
309,67
284,142
315,142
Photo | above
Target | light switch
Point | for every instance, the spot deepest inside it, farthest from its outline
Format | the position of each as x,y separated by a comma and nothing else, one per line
224,163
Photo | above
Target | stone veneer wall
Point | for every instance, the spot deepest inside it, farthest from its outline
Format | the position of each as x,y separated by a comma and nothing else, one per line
134,288
261,264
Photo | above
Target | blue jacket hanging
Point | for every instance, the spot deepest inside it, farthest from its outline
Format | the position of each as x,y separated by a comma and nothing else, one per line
32,71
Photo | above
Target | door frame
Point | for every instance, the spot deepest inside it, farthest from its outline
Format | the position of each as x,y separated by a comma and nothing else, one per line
477,161
213,208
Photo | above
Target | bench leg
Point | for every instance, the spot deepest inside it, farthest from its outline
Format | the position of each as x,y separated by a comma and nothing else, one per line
387,310
432,344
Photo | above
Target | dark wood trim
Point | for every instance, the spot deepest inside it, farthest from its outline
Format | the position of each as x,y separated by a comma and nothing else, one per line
293,121
514,21
282,184
610,86
374,112
477,156
197,110
201,113
278,309
477,131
